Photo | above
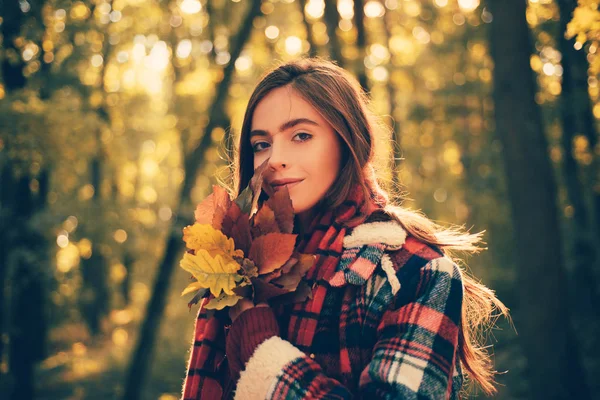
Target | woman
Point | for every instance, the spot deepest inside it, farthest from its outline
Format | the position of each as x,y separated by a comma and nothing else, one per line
391,315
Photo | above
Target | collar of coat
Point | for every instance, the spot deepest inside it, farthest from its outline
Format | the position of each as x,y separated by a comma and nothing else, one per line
365,249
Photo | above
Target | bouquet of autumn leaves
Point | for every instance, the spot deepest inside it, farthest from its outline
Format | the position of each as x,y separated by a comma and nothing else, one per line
236,249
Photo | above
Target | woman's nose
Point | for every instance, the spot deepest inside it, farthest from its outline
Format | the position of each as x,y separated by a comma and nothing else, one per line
278,158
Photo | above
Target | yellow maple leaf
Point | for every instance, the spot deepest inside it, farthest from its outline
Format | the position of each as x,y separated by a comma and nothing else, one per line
204,236
192,287
218,273
224,300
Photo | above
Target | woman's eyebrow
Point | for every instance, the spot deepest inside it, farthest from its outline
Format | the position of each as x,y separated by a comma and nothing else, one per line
286,125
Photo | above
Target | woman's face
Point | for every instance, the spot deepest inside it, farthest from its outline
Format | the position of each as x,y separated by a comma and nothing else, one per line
301,146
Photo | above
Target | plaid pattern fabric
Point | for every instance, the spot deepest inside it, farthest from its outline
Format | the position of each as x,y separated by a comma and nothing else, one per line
206,360
207,373
369,343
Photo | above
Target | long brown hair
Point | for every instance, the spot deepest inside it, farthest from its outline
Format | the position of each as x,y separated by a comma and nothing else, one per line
339,98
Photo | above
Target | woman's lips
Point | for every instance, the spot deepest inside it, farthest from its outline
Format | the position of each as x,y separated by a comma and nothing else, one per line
289,185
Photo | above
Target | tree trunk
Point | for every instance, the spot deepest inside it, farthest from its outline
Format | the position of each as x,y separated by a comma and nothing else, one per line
361,43
396,163
554,364
581,103
27,323
23,253
312,52
95,292
332,20
582,246
141,359
12,62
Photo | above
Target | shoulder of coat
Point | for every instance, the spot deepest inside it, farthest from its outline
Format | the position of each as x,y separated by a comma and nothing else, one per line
379,228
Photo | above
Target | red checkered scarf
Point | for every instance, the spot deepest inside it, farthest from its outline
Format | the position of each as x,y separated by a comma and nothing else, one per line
206,373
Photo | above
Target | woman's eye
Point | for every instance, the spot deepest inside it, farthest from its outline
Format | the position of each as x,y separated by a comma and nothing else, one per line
256,146
303,136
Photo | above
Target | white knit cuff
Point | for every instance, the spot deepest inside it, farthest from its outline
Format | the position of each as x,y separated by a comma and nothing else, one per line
267,361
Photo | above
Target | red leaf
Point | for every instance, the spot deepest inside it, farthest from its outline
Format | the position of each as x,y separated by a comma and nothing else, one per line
237,226
271,251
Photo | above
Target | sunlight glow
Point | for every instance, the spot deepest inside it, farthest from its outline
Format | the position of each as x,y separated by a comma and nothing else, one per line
62,240
120,236
67,258
346,9
315,8
380,74
184,48
138,52
190,6
468,5
374,9
243,63
158,59
272,32
293,45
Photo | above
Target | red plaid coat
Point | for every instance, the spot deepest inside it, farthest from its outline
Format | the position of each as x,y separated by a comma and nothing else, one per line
385,325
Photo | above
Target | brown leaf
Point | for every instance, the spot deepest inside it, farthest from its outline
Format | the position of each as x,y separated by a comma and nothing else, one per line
288,281
272,275
305,262
271,251
303,292
249,268
265,222
281,204
290,263
245,291
263,291
256,184
248,199
198,296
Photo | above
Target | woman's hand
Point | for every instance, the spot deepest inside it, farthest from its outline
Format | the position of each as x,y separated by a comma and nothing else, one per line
241,306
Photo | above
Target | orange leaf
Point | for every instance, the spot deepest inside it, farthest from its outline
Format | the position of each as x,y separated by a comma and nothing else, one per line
222,203
271,251
281,204
205,210
264,222
211,210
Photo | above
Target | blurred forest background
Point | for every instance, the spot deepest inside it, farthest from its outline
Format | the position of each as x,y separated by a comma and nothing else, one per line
117,116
